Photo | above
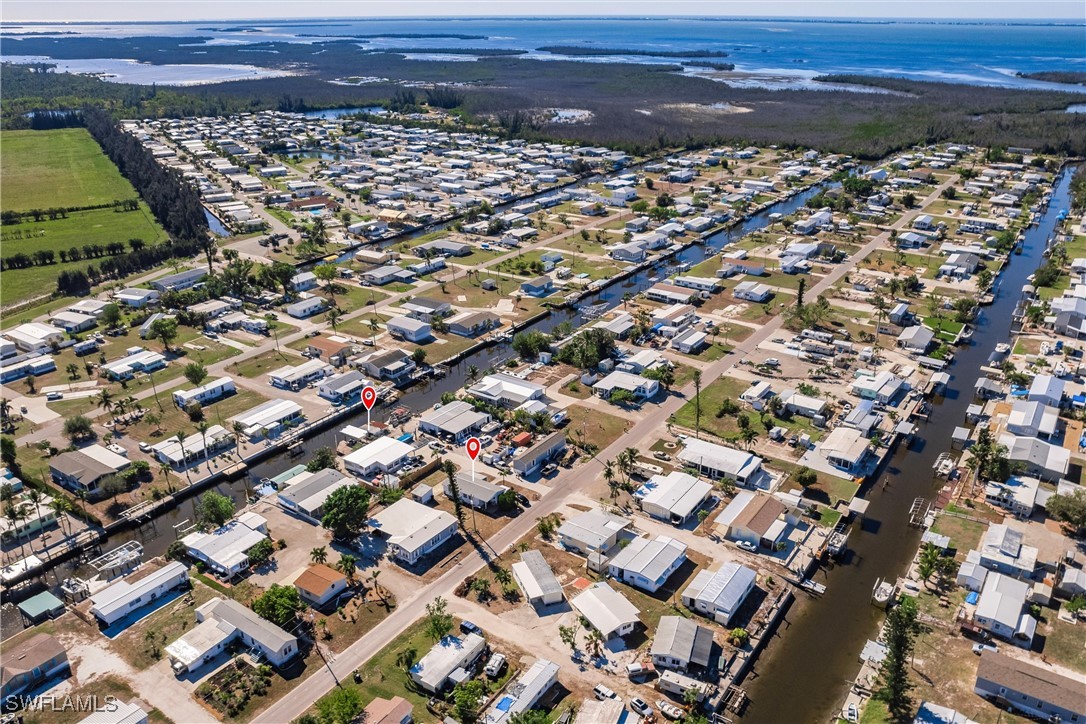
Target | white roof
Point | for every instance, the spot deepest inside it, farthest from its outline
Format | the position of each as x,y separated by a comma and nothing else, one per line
409,525
677,492
207,634
1002,599
525,692
291,373
105,456
308,491
109,601
724,589
535,575
446,656
225,546
171,449
454,417
118,713
735,463
605,608
268,414
593,527
650,558
506,387
384,451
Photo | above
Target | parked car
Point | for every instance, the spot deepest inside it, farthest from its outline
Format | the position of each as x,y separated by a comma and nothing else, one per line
979,649
602,692
772,362
467,627
638,705
522,499
746,546
669,710
660,455
495,666
145,447
549,469
51,396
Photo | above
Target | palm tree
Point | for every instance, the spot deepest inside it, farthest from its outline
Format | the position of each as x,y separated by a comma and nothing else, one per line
749,435
347,565
473,372
15,515
238,430
333,316
180,437
155,419
60,505
373,329
203,427
319,555
697,403
609,477
35,497
81,496
105,400
165,469
376,588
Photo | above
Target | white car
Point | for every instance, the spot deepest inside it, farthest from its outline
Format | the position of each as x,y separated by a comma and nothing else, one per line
145,447
52,396
746,546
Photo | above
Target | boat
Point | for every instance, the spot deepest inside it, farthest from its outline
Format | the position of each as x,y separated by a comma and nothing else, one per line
852,713
814,587
1003,348
295,448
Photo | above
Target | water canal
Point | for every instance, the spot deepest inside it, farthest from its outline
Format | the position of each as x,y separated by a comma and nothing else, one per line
157,537
804,673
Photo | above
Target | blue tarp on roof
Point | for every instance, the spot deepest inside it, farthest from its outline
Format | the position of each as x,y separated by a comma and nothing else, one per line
973,597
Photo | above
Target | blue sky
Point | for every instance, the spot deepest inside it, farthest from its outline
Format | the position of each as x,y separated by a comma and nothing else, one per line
167,10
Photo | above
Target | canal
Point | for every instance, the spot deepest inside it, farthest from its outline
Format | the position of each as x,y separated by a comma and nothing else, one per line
156,537
806,670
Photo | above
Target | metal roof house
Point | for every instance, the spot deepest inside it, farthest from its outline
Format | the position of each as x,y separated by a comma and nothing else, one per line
536,579
531,459
647,564
306,493
673,497
383,455
269,419
524,693
607,610
681,644
506,390
593,531
1000,609
222,621
224,549
122,598
455,421
476,491
412,529
718,461
447,655
719,594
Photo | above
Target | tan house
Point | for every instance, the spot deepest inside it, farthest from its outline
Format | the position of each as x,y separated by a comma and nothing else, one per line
396,710
320,584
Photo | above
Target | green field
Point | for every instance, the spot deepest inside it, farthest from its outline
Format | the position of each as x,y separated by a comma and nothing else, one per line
60,168
98,226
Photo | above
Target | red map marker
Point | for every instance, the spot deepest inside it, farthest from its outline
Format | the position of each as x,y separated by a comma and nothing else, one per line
369,396
473,447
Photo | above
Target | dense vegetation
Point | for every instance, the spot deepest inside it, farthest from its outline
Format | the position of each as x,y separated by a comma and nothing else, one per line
1057,76
677,109
579,50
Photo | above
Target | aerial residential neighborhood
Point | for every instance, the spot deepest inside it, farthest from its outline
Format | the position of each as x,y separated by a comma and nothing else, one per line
444,422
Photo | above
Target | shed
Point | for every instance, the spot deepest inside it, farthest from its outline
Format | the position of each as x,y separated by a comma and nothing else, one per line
40,607
535,578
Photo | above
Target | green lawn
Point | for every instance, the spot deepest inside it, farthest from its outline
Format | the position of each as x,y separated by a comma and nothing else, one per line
58,168
97,226
964,534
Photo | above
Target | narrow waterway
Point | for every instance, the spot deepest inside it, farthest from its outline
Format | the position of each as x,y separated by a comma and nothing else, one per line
805,672
156,537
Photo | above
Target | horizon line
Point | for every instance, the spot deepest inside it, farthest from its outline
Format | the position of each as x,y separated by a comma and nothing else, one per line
639,16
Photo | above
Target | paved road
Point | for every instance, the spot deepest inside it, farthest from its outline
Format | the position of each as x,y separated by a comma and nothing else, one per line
641,436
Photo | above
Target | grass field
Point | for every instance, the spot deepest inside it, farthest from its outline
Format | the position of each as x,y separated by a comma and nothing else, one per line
42,169
64,167
98,226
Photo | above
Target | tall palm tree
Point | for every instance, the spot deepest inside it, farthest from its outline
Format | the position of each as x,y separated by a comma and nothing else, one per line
473,372
238,430
60,506
166,469
609,478
319,555
105,400
34,496
180,437
81,496
697,403
203,426
15,515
